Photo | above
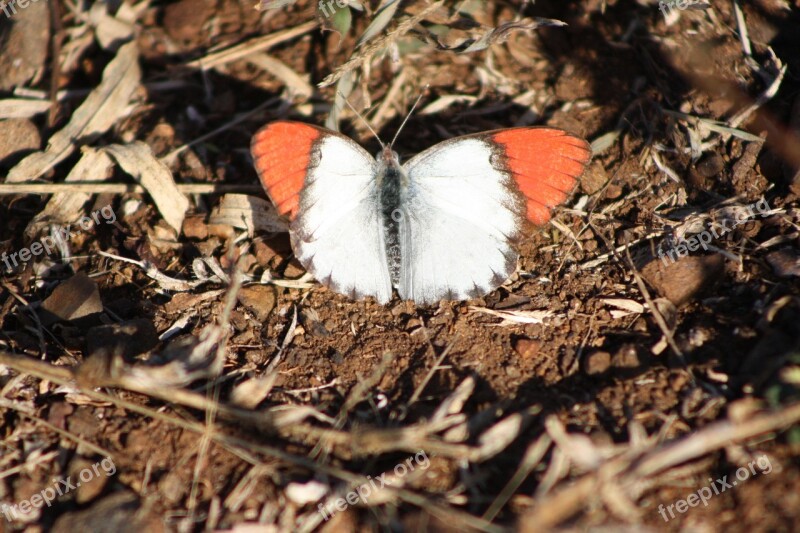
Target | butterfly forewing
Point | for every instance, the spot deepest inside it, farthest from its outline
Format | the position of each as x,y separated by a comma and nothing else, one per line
337,227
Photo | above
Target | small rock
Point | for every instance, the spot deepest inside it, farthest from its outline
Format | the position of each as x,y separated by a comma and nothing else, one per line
785,263
58,413
684,279
626,357
574,83
194,227
25,40
264,253
527,348
596,363
293,270
83,422
184,20
18,137
92,481
256,357
594,178
613,191
173,487
513,372
710,165
75,298
258,299
222,231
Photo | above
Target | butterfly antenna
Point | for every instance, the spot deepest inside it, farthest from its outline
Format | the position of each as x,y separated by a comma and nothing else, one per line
346,101
408,116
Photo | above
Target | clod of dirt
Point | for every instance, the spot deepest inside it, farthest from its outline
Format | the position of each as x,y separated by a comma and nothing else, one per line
184,20
78,297
91,489
18,137
594,178
194,227
710,165
596,363
24,36
684,279
258,299
119,512
626,357
293,270
574,83
785,263
527,348
745,177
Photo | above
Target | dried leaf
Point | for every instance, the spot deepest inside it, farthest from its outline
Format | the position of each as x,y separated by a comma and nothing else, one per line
497,438
250,213
66,207
515,317
305,493
274,4
343,89
22,107
102,109
342,20
625,304
137,159
252,392
111,31
296,83
381,20
440,104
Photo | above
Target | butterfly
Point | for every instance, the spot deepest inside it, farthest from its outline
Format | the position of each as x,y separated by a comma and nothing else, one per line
442,226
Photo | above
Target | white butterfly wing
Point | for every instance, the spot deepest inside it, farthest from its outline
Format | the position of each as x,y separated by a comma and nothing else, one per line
326,183
460,215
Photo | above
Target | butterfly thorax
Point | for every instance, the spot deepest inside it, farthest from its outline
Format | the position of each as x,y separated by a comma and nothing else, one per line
392,181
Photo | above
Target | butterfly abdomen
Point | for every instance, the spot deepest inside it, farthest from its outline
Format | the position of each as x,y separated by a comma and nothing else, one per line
392,214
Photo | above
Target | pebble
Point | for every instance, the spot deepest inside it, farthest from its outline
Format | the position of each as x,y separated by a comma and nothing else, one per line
527,348
596,363
258,299
682,281
18,137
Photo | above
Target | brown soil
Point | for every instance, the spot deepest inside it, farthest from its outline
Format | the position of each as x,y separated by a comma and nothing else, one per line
599,366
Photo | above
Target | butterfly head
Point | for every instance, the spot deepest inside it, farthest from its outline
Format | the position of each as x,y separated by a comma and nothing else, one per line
388,158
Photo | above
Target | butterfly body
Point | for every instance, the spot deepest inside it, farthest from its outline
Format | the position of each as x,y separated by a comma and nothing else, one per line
441,226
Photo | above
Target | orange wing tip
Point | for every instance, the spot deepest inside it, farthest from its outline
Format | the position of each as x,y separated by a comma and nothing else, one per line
537,213
281,155
545,164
